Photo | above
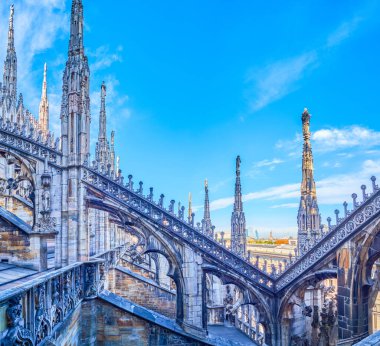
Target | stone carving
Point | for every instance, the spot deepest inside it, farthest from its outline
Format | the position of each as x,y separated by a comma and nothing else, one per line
298,312
328,328
78,285
42,323
228,302
46,200
90,281
102,276
16,333
68,300
46,224
56,310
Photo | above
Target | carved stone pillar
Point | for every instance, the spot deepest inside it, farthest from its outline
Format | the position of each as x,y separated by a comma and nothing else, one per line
91,279
16,333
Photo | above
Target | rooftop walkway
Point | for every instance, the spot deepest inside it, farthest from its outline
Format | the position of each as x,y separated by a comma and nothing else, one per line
229,336
11,273
218,335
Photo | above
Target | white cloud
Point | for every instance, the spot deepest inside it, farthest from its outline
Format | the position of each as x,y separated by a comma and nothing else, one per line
278,79
104,58
335,139
285,205
266,163
258,166
221,203
343,32
215,187
332,190
348,137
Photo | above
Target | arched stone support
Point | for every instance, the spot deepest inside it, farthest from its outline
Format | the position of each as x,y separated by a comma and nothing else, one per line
355,261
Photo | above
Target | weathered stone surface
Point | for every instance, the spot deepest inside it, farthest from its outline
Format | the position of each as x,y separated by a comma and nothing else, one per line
143,291
96,322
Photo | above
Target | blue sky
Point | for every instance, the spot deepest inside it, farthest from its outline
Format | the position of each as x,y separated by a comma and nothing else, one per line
192,84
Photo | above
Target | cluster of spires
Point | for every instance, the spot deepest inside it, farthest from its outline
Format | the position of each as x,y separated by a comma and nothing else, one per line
105,152
11,107
238,226
309,219
18,119
265,266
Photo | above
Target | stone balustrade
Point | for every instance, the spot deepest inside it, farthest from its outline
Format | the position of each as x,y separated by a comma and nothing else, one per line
31,312
31,143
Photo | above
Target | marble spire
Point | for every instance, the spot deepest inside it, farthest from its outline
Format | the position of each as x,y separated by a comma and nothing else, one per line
308,218
238,226
207,228
44,106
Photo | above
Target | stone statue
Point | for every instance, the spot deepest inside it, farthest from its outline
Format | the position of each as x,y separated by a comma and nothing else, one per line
46,201
228,303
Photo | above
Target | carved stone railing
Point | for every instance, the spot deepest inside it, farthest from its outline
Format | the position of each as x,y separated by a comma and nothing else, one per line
175,225
34,310
30,142
346,228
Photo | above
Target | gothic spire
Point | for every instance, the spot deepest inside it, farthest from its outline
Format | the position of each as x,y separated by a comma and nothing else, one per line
308,184
112,151
102,115
190,211
11,38
117,166
76,29
238,205
238,228
308,213
103,153
75,108
75,134
44,105
206,222
10,64
206,215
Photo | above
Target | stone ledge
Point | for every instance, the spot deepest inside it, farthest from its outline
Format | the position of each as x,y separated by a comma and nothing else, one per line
372,340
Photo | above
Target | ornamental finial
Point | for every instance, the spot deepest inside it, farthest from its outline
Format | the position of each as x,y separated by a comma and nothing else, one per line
190,211
11,29
238,161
